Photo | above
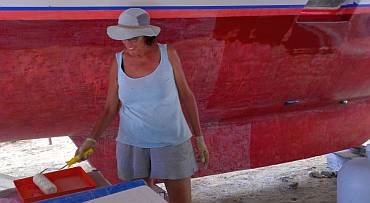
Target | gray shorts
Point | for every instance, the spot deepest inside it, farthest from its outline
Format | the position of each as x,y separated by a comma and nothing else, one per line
171,162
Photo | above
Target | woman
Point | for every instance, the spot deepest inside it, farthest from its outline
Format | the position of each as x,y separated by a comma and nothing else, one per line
146,86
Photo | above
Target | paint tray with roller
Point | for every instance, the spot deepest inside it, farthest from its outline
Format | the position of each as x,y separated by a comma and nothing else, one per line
67,181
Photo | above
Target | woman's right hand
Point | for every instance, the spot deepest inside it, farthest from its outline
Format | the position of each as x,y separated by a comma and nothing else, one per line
89,143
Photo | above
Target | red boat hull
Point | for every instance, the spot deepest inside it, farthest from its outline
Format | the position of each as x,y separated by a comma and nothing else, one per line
268,87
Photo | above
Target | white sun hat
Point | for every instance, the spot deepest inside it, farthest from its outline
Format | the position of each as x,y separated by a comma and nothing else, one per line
133,22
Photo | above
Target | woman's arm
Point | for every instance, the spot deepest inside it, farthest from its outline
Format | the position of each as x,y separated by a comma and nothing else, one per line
110,109
186,95
111,106
188,100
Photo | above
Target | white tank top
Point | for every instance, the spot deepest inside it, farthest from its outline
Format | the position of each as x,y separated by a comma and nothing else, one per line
151,115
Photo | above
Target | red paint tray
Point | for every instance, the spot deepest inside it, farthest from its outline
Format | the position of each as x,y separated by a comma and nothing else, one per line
67,181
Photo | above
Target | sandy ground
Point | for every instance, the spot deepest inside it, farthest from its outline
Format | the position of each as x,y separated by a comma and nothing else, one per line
27,157
282,183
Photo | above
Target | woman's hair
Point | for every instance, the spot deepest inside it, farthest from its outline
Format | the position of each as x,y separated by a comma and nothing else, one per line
149,40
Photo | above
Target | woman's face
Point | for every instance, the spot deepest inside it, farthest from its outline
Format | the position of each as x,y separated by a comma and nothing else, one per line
134,45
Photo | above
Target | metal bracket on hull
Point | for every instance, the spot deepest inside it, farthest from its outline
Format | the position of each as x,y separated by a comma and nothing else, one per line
327,11
329,4
291,102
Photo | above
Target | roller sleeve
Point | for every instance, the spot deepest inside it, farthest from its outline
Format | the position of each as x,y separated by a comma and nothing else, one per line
44,184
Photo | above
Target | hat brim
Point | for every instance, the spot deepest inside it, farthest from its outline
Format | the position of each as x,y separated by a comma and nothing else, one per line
122,33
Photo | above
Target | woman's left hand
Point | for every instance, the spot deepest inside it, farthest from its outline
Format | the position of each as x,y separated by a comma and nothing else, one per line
202,147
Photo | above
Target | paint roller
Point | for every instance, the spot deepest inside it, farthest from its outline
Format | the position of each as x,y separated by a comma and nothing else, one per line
45,185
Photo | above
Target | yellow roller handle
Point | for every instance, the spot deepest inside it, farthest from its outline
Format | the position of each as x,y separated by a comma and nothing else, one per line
75,159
